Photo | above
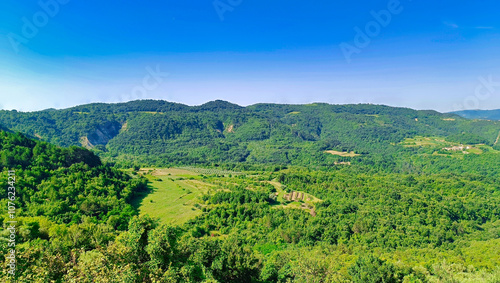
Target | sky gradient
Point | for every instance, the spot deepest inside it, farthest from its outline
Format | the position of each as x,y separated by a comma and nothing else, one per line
417,54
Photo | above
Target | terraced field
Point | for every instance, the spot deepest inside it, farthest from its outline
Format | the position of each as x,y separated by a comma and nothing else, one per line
294,199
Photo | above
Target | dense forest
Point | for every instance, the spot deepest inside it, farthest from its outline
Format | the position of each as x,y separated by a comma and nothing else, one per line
386,194
161,133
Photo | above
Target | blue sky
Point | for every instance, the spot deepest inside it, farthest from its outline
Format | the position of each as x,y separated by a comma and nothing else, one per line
418,54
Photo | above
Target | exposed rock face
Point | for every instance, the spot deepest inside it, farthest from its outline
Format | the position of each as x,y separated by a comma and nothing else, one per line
84,141
101,135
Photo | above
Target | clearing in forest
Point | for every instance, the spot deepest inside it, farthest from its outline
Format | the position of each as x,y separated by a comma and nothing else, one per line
343,154
298,200
173,194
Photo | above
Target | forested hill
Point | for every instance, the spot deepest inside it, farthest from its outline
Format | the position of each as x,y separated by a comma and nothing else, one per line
60,199
480,114
150,132
64,185
75,221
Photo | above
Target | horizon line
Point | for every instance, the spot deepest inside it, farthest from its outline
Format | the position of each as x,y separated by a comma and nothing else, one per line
243,106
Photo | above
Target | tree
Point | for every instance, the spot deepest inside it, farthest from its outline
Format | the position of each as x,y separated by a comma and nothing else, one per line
370,269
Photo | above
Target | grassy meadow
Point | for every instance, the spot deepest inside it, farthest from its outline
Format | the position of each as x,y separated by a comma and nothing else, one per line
173,194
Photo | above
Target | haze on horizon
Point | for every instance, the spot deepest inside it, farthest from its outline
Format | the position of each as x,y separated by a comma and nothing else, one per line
416,54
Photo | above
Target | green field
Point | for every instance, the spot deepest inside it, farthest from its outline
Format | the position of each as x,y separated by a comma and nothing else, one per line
175,191
173,194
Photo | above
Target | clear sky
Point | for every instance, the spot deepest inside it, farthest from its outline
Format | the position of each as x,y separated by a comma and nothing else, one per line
441,55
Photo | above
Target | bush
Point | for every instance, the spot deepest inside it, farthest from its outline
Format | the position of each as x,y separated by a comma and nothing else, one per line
370,269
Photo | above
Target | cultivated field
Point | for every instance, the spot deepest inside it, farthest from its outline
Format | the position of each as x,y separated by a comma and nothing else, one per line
294,199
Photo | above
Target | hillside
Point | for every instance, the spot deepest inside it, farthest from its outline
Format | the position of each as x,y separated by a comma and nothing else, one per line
65,185
480,114
162,133
77,219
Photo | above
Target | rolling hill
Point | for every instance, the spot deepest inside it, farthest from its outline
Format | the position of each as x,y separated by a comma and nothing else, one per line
480,114
391,194
150,132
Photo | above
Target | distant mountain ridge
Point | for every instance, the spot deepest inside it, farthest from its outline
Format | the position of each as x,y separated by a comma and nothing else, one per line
155,132
480,114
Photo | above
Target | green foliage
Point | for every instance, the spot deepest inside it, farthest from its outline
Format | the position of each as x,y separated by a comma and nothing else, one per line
161,133
370,269
466,138
65,198
390,213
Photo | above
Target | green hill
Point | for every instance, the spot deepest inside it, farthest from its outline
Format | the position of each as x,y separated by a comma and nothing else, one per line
161,133
395,195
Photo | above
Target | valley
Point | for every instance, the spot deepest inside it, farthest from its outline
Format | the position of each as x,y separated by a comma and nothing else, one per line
164,192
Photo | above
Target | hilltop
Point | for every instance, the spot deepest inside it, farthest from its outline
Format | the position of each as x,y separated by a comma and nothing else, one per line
408,196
